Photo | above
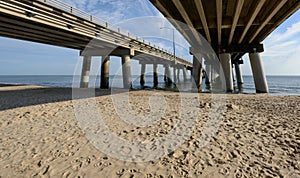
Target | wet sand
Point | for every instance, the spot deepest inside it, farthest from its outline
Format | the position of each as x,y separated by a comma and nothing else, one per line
257,136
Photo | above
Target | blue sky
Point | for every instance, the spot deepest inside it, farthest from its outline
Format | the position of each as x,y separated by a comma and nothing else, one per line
281,56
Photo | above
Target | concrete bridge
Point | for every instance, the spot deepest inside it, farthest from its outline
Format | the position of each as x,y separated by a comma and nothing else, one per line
55,23
232,27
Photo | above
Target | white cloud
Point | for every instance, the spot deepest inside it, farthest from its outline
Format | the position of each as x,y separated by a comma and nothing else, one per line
114,11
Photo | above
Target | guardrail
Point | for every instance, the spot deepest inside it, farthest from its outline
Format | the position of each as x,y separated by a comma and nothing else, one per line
69,9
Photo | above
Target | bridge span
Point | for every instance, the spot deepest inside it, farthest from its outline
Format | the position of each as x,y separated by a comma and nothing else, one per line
55,23
232,27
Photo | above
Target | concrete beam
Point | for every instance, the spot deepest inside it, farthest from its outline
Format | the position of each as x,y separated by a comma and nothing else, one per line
113,51
201,13
236,17
252,18
219,20
266,21
244,48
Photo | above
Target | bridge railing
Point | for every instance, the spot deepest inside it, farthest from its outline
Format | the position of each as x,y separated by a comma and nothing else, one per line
70,9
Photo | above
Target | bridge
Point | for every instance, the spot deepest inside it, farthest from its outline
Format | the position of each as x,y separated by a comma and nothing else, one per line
232,27
55,23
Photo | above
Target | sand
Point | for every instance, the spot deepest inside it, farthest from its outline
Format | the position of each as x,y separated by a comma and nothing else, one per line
257,136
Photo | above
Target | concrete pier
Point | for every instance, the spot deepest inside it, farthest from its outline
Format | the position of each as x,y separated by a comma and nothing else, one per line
168,74
126,70
208,75
238,73
143,72
155,75
184,73
197,74
259,76
225,59
85,73
165,75
105,72
174,75
178,75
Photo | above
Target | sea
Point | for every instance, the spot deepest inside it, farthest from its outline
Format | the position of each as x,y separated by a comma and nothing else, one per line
278,85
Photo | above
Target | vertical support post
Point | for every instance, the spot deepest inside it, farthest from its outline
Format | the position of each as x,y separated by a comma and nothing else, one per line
208,76
178,74
197,73
174,74
259,76
85,73
126,71
105,60
168,74
225,59
143,71
238,73
155,75
165,75
184,73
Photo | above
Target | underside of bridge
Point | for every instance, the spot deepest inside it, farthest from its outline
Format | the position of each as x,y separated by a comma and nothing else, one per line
230,26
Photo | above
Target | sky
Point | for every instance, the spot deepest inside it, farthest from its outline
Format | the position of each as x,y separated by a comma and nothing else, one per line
140,17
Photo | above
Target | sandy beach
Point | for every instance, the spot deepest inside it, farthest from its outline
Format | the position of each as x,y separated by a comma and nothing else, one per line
257,136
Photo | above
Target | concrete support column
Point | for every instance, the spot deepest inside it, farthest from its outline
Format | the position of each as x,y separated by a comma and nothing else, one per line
174,75
105,72
155,75
197,74
165,75
238,74
126,70
225,59
143,72
184,73
168,74
85,73
178,75
208,76
259,76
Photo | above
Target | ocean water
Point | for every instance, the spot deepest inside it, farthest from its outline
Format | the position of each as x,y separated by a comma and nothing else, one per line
278,85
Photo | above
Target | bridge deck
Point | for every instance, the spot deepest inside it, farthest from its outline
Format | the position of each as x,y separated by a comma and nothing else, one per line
55,23
227,23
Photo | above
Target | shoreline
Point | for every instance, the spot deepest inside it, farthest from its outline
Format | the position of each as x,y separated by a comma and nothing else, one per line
146,88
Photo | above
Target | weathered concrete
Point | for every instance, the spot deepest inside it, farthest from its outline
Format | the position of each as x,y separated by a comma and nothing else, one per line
197,74
85,73
178,75
165,75
105,72
155,75
168,74
225,59
143,72
238,74
126,70
174,75
259,76
184,73
208,75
